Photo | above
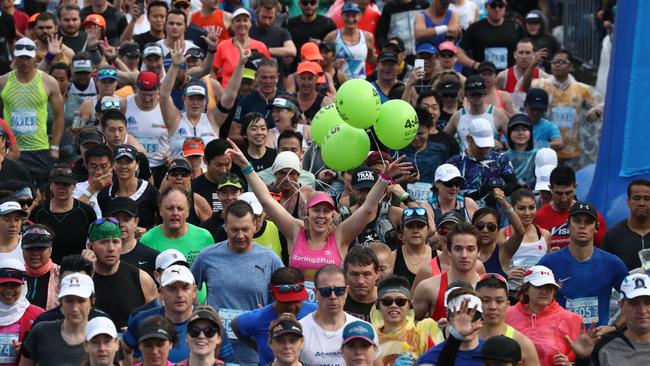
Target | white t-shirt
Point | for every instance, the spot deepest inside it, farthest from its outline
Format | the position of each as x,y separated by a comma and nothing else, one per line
466,13
15,254
323,347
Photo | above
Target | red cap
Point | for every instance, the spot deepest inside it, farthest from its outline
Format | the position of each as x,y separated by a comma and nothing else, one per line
289,295
147,80
310,52
95,19
191,147
320,197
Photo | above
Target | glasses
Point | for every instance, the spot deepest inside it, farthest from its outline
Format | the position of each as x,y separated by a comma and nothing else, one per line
26,47
209,331
182,6
327,291
399,301
447,54
408,212
179,173
283,289
111,104
560,62
491,227
26,203
308,2
453,183
497,5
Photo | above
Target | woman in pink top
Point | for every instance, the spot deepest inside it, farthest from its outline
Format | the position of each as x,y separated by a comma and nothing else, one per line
315,241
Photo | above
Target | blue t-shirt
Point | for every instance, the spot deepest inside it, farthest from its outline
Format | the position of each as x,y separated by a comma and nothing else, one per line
544,132
463,358
181,350
524,164
585,287
428,160
256,323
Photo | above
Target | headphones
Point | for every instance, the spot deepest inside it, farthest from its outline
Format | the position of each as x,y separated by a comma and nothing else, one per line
88,132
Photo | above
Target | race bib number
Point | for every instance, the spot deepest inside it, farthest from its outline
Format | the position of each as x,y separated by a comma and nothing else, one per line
7,350
311,292
586,307
524,262
23,121
227,316
498,56
420,191
564,116
150,144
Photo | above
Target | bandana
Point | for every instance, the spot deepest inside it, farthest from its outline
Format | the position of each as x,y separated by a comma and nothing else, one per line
104,230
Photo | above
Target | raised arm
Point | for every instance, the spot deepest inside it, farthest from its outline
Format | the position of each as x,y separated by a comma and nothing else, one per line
171,115
510,246
206,66
527,78
227,100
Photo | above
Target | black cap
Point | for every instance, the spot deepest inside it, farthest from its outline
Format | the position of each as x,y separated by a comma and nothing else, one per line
537,98
330,45
203,315
583,208
363,178
474,84
153,331
520,119
288,326
91,135
125,150
195,52
62,174
36,236
448,88
387,56
122,204
451,216
396,43
129,49
417,214
500,348
486,65
180,163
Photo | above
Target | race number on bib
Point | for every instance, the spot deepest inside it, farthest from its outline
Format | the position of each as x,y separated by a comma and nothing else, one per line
419,191
564,116
23,121
7,350
498,56
227,316
586,307
150,144
311,292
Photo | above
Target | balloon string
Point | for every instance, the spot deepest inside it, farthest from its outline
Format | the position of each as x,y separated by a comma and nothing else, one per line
381,156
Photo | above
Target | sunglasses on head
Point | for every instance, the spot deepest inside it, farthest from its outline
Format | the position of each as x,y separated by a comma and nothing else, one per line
491,227
107,72
408,212
26,47
111,104
327,291
105,219
453,183
179,173
283,289
399,301
209,331
496,5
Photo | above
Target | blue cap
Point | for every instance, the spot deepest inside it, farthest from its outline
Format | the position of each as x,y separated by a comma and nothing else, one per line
426,48
196,87
350,7
361,330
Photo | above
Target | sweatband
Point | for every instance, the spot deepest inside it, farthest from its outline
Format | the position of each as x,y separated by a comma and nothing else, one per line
401,289
441,29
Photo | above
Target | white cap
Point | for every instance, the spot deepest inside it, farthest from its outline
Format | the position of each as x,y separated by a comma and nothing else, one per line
253,201
176,273
240,11
77,284
545,156
168,257
286,159
474,301
635,285
152,50
100,325
447,172
482,132
26,42
540,276
10,207
543,178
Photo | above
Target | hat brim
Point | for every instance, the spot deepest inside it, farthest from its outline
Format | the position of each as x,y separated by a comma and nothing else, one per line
125,210
35,245
77,291
285,332
348,340
290,296
81,69
363,185
113,77
394,59
483,142
10,211
26,53
195,93
412,219
543,282
542,186
230,184
537,105
123,155
154,335
193,152
65,180
11,280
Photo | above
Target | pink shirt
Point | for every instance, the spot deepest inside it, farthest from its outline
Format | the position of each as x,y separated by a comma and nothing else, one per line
309,261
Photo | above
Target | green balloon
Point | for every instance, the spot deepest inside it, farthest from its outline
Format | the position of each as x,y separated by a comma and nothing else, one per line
358,103
326,119
397,124
345,148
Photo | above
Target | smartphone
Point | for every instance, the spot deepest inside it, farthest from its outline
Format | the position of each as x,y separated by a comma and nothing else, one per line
418,63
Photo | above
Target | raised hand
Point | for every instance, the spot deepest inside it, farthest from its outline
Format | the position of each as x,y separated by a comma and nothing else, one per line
462,319
500,196
540,55
93,35
54,45
178,58
212,39
398,167
244,53
235,154
110,52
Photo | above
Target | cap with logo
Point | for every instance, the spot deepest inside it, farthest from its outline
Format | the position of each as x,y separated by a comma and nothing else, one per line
418,214
147,81
180,164
448,88
583,208
486,66
176,273
125,150
12,270
129,50
482,132
359,330
533,17
350,7
397,44
193,148
363,177
10,206
25,47
447,172
539,276
474,84
104,228
448,46
62,174
230,180
37,236
310,52
500,348
387,56
95,19
91,135
286,159
122,204
203,314
286,326
427,48
240,11
77,284
283,103
152,49
328,45
82,65
196,87
151,330
452,216
168,257
251,199
100,325
195,52
635,285
537,98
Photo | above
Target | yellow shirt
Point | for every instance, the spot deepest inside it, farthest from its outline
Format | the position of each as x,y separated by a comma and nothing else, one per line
420,338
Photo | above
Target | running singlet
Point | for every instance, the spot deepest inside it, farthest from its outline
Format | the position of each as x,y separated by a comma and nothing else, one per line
308,261
460,208
354,55
402,269
529,253
89,92
439,309
466,119
438,38
186,129
150,129
512,80
25,109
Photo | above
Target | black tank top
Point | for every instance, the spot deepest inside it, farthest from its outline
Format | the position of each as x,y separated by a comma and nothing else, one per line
314,108
401,269
119,293
193,217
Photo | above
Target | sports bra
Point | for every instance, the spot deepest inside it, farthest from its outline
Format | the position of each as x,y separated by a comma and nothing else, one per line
308,261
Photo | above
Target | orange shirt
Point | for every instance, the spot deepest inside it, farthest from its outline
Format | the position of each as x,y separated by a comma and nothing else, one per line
227,57
213,22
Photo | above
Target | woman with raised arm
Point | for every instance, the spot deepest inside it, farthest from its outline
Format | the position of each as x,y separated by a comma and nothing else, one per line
315,241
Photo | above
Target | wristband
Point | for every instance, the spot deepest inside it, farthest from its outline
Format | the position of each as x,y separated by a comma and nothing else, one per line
454,333
212,50
408,200
441,29
383,177
54,147
247,169
403,196
86,193
49,57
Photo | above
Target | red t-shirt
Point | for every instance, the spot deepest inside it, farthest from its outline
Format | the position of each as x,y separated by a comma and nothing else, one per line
213,22
556,222
21,20
227,57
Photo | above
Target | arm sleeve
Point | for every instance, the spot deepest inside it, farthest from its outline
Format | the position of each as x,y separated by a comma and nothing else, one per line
130,337
245,323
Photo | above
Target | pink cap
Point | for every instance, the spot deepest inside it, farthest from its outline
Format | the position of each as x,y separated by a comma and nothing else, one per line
448,46
320,197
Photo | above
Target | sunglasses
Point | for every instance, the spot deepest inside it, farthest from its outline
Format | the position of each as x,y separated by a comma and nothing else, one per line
560,62
111,104
26,47
209,331
107,72
491,227
425,56
179,173
447,54
283,289
327,291
453,183
497,5
399,301
26,203
182,6
309,2
408,212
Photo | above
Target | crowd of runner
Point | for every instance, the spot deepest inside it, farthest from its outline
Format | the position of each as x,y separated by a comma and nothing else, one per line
162,200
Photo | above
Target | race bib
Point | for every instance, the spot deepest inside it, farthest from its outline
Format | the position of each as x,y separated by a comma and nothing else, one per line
420,191
498,56
586,307
23,121
227,316
311,292
150,144
7,350
524,262
564,116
